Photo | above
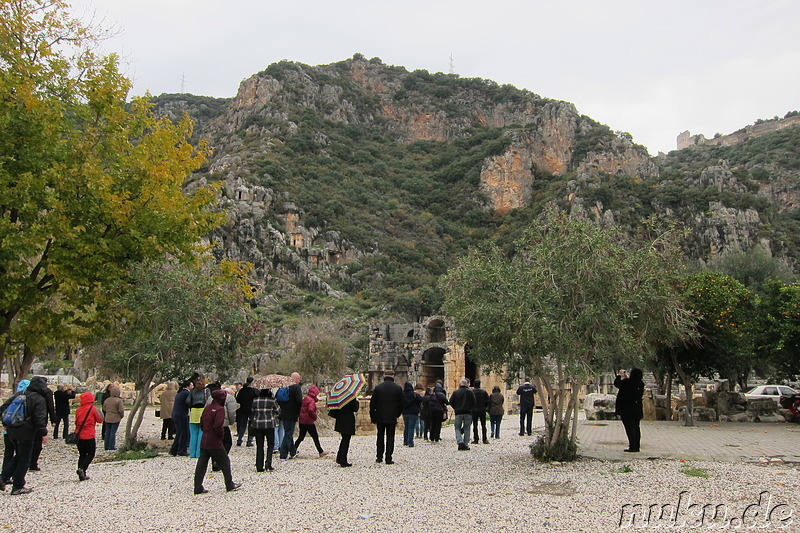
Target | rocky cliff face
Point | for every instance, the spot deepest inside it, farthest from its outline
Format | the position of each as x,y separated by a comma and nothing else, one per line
542,140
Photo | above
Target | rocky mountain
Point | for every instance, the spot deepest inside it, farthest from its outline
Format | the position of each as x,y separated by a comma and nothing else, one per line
352,186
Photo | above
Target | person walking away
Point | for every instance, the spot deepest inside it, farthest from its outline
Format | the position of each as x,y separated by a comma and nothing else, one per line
115,411
197,399
307,420
345,426
86,417
244,397
411,405
479,414
629,405
437,409
9,451
421,430
167,401
212,427
180,420
230,420
290,412
38,441
263,416
463,402
61,397
496,411
385,407
23,435
526,393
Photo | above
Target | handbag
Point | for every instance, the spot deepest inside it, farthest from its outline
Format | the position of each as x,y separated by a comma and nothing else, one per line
72,438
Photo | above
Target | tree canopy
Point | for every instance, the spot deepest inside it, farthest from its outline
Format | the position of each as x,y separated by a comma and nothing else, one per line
92,183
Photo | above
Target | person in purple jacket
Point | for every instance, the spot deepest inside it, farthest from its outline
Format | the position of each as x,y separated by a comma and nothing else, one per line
212,424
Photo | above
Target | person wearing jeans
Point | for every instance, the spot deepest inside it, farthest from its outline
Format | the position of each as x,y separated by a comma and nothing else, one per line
115,410
496,401
290,412
463,402
411,405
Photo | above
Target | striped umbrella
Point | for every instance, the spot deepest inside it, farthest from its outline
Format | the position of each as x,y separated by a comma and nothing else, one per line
345,390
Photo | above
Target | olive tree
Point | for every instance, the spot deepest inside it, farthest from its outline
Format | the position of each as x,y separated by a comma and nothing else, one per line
569,299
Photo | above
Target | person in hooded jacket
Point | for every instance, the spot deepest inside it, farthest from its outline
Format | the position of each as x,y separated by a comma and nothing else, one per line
212,424
86,417
345,426
22,437
38,442
114,409
411,404
425,414
437,408
230,418
308,419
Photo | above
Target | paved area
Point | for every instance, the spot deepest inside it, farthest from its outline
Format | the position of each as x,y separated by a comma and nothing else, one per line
717,441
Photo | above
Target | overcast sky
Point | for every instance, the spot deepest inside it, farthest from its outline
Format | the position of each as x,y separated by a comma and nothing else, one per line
649,68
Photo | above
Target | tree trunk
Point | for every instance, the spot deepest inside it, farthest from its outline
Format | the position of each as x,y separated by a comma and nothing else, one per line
138,410
575,389
687,384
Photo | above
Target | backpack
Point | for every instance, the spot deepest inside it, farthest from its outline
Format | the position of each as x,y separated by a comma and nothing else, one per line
282,395
16,413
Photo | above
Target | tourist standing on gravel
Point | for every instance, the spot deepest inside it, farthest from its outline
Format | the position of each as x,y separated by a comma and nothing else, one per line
307,419
38,441
61,397
115,411
437,409
385,407
212,425
86,417
421,429
411,405
244,397
22,437
526,393
629,405
8,444
479,414
290,412
167,403
346,427
180,419
463,402
196,401
496,411
263,416
105,395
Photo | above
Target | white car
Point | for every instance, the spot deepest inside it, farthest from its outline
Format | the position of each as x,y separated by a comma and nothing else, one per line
770,391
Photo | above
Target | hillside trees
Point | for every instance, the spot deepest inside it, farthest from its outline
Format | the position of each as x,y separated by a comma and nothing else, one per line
569,300
91,184
172,321
777,330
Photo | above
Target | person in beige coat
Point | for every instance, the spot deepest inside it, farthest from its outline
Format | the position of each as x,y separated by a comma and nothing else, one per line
114,409
167,403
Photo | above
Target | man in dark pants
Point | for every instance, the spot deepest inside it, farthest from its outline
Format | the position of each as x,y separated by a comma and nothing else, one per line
290,412
180,418
61,397
244,398
22,437
526,393
479,414
212,424
385,407
38,441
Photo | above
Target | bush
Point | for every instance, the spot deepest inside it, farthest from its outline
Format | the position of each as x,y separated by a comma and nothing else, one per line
563,450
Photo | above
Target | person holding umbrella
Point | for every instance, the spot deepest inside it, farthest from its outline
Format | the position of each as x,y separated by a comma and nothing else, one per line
343,405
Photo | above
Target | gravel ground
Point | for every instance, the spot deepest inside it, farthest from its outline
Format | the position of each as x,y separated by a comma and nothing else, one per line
432,487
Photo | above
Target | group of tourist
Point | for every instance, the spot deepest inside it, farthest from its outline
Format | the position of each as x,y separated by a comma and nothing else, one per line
198,416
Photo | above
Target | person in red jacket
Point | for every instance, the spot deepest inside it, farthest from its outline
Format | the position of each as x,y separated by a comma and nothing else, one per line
86,417
307,420
212,424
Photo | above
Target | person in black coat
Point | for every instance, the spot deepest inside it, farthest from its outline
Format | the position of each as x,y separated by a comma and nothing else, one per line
180,419
479,414
437,411
290,412
346,426
245,398
385,407
61,397
629,405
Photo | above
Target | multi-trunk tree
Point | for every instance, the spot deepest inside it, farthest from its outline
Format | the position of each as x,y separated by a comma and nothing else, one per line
568,300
